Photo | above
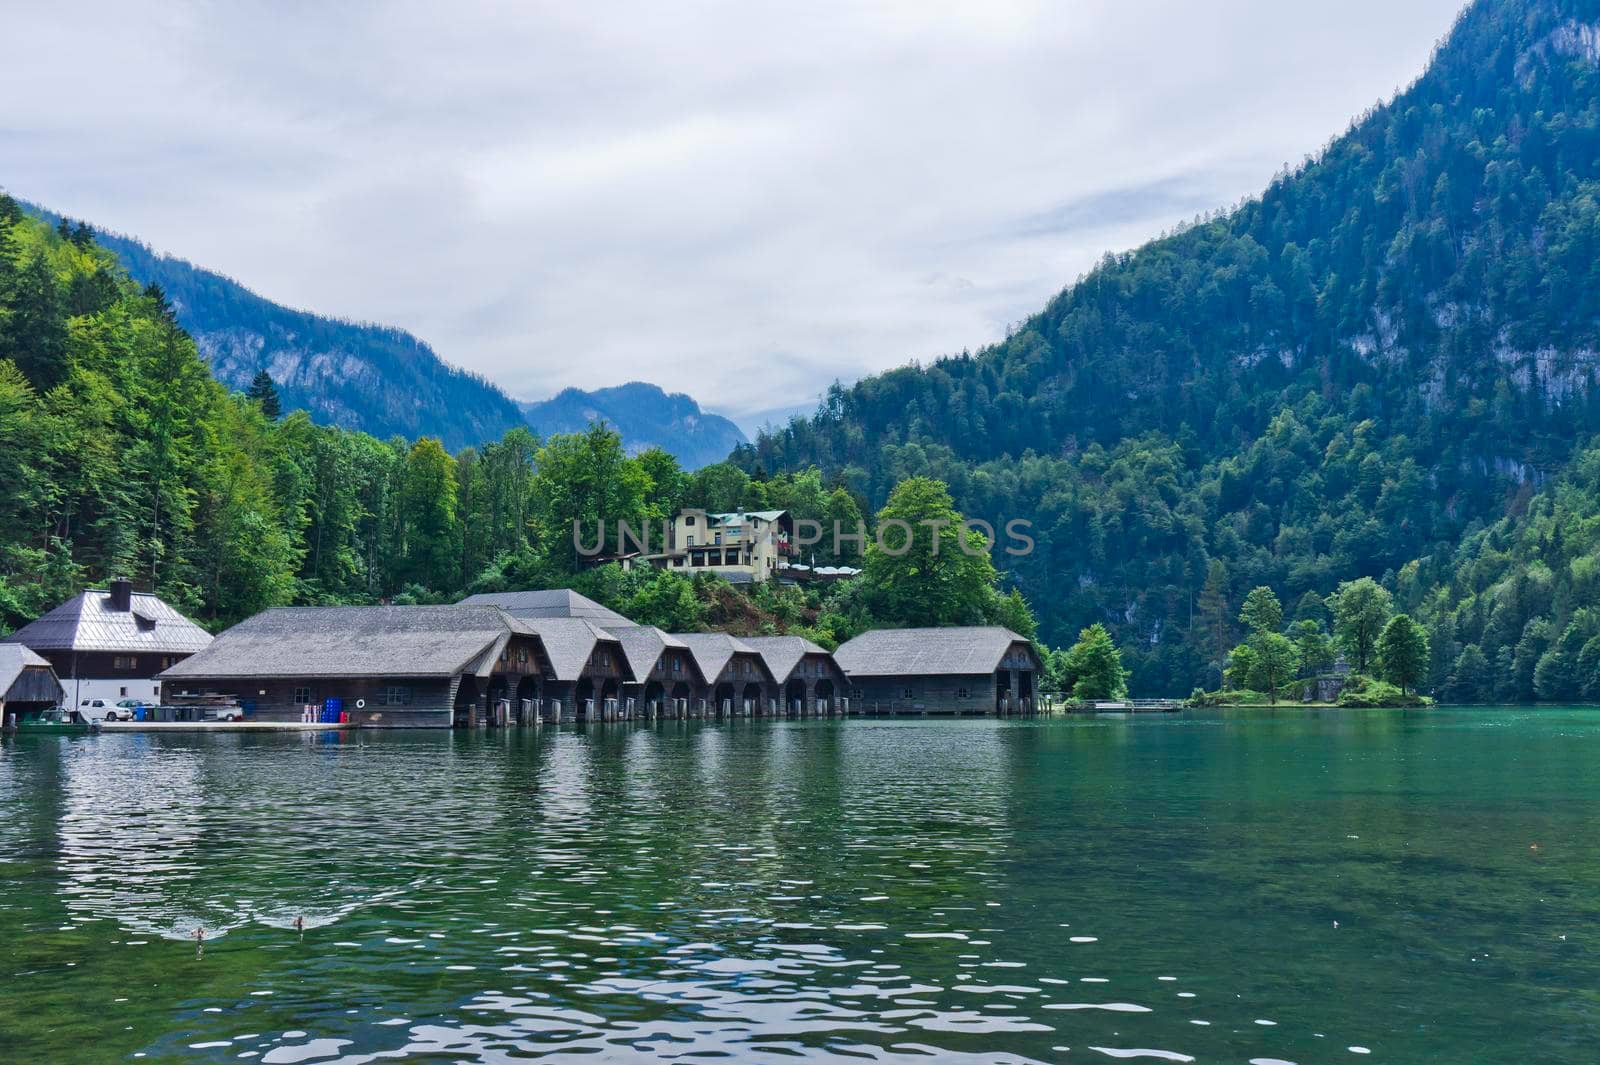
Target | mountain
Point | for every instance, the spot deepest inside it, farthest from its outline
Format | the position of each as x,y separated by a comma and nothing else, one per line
386,382
381,380
1391,348
646,416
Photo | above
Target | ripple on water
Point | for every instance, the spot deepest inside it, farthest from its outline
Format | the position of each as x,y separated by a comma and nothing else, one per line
819,891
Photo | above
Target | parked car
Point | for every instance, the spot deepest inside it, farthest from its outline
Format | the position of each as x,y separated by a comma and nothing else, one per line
100,710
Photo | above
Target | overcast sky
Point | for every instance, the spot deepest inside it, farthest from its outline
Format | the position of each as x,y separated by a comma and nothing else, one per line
740,200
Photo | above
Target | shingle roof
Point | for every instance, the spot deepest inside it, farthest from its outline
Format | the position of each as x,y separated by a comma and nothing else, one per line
568,642
355,641
782,653
86,622
924,652
711,651
548,603
14,658
643,645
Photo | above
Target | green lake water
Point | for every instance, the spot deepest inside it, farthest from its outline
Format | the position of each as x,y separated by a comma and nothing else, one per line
1250,887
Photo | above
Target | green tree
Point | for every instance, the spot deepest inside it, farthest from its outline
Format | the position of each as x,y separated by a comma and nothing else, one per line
428,506
924,568
1095,666
1360,608
840,512
1262,613
264,394
1471,680
585,485
1403,652
1276,662
1213,607
1314,645
1011,611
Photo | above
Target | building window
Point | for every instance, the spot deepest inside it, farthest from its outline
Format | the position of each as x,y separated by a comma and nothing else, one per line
396,695
124,662
302,696
911,693
122,692
961,693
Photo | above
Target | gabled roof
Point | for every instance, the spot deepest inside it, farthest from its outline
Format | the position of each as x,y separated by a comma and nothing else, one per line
356,641
548,603
925,652
782,653
643,645
14,658
712,650
86,622
568,643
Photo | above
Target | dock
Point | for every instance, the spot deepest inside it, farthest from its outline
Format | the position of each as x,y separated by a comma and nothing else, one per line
221,726
1129,706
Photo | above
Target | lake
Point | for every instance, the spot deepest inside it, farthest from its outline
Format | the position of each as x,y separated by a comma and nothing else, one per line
1251,886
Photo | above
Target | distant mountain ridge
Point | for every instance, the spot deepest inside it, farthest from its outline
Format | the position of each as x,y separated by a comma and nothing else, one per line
384,381
647,416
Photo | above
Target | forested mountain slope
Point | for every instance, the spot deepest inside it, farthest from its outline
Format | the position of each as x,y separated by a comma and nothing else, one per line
386,382
1392,347
355,375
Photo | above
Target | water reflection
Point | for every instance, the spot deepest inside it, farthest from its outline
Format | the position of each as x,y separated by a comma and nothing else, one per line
895,891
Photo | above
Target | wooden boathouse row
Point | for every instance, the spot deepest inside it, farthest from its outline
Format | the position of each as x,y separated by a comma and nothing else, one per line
555,656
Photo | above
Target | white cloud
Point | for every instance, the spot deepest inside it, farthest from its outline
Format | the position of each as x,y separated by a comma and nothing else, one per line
738,200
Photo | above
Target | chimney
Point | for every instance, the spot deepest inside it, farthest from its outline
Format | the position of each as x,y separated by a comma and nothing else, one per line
121,594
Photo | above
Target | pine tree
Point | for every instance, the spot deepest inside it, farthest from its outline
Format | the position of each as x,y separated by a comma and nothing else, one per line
264,394
1213,607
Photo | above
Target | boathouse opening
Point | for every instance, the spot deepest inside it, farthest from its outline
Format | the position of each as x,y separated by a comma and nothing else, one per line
824,695
527,706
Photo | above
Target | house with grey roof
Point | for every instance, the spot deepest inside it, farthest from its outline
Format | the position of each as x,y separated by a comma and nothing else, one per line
809,678
111,643
738,678
407,666
966,670
668,681
549,603
28,686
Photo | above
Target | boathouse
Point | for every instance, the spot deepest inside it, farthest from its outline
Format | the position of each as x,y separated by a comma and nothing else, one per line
979,670
549,603
668,681
110,643
404,666
806,676
738,678
28,686
585,670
